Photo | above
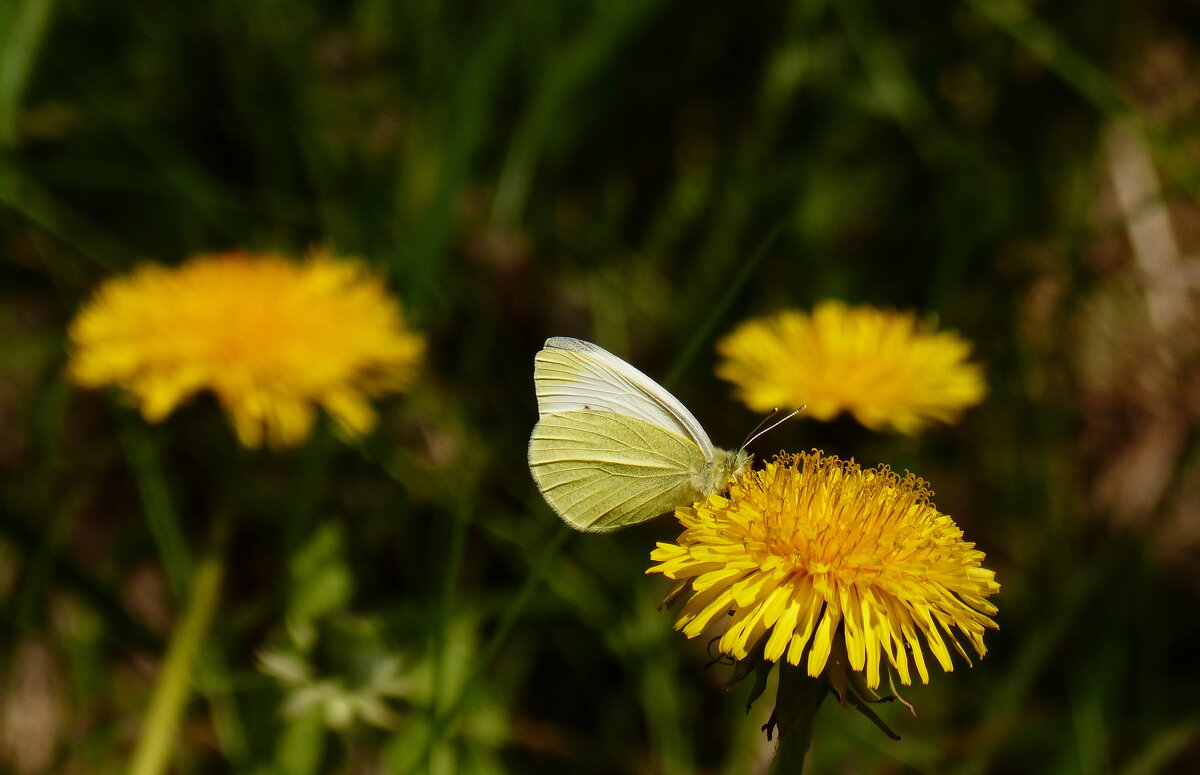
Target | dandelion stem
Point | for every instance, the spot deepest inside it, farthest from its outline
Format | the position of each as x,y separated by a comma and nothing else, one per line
174,680
796,707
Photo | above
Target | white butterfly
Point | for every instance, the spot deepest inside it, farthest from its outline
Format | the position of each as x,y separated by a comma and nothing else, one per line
612,447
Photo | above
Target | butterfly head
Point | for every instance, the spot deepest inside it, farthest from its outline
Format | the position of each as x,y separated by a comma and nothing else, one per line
727,465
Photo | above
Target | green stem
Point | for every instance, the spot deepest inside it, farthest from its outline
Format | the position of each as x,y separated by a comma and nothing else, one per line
442,614
27,25
1076,70
145,460
174,680
796,707
441,723
716,314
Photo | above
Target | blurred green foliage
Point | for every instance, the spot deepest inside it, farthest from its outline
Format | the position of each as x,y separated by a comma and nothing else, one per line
644,175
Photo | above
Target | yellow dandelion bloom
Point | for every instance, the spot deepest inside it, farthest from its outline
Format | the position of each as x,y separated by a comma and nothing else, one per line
887,368
272,339
813,551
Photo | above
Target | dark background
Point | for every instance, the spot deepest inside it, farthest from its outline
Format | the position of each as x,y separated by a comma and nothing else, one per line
645,175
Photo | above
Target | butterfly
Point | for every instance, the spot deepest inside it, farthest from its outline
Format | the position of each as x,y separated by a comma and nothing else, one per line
611,446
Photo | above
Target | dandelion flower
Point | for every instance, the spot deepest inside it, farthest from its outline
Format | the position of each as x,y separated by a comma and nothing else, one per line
813,553
272,339
887,368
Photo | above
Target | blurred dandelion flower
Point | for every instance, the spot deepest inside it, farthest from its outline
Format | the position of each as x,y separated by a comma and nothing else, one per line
813,554
271,338
885,367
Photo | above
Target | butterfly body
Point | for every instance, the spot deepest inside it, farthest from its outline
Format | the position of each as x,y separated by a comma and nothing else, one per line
611,446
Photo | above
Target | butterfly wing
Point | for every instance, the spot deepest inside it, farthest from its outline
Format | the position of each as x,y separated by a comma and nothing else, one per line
574,375
601,470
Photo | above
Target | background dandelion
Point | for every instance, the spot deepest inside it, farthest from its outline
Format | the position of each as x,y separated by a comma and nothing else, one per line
646,176
273,339
888,369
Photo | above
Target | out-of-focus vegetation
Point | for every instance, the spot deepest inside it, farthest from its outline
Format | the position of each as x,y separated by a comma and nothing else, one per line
645,175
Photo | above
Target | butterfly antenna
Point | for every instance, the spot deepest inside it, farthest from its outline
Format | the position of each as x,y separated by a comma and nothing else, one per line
756,432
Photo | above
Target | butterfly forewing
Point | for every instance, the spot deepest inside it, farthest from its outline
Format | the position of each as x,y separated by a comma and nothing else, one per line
600,470
574,375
